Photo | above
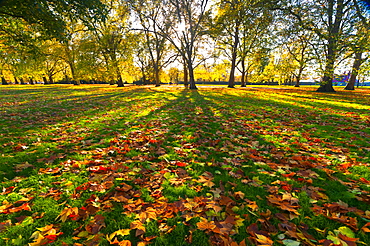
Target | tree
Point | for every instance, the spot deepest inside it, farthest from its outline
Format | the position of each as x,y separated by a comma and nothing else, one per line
188,19
254,38
114,40
143,60
238,25
156,29
298,44
359,46
332,21
51,53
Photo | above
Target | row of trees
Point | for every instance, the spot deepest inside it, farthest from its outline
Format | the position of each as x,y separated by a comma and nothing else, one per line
118,40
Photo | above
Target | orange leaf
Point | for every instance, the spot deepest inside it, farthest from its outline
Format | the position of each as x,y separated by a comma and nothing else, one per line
263,240
365,227
204,224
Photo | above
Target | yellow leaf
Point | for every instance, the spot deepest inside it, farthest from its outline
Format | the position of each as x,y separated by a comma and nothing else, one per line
83,234
123,232
38,241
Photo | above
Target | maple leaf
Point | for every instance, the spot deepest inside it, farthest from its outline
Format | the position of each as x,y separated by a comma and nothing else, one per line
38,239
366,228
216,192
66,213
45,235
139,226
239,194
263,240
147,215
180,164
209,183
122,232
176,181
206,225
215,207
24,206
251,204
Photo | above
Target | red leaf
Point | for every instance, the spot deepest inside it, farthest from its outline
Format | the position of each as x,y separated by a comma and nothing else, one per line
364,180
181,164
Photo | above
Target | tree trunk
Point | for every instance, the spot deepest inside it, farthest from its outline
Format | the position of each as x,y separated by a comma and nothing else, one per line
298,77
233,58
120,82
31,81
3,81
243,80
191,77
355,67
45,80
186,76
243,73
326,84
22,81
156,74
296,83
51,81
16,81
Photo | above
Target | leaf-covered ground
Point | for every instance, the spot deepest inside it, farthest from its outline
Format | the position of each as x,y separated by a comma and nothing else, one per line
98,165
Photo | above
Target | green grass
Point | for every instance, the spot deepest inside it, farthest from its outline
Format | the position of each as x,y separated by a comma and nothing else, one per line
168,166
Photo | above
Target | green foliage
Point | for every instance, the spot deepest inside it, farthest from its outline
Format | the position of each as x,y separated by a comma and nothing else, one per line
50,14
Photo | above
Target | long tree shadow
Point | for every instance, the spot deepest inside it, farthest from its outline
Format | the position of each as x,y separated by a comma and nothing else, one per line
50,124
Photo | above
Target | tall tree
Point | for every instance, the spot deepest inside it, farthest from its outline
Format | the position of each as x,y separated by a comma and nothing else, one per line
359,47
333,22
239,27
114,40
297,42
187,31
156,29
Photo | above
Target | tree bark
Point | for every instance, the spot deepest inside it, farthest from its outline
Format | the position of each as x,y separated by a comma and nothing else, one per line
355,67
31,81
16,81
22,81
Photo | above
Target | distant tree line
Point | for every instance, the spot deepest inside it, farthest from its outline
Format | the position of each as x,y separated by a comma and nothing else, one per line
152,41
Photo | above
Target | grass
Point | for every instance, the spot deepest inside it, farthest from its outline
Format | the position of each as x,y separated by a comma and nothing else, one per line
99,165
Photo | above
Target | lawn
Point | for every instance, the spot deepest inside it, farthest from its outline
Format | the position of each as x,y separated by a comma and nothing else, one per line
100,165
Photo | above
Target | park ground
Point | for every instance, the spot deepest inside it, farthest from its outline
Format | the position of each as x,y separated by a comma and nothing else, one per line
101,165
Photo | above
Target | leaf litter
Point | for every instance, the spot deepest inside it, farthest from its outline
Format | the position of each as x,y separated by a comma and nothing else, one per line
239,173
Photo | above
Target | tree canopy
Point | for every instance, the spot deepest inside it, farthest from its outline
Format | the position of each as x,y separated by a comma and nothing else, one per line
50,14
